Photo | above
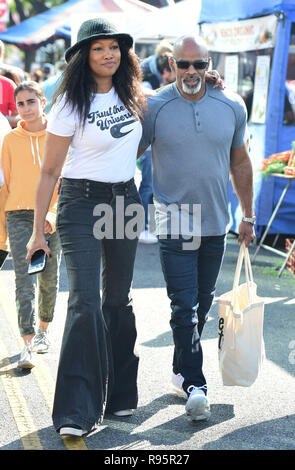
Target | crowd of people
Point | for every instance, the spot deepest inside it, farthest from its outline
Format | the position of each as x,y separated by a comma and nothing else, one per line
68,179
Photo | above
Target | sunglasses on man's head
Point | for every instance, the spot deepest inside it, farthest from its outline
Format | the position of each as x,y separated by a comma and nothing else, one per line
198,64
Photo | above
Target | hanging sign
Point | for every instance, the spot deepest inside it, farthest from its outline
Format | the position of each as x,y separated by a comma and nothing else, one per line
239,36
231,72
260,89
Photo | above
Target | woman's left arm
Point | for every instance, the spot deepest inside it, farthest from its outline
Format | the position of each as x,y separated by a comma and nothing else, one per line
56,148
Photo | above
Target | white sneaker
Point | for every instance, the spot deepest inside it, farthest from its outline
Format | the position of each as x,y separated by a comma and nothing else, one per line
147,237
72,431
197,406
128,412
177,381
27,358
41,342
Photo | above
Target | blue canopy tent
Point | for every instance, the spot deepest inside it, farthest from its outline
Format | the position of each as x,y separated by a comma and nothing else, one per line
214,11
273,135
41,29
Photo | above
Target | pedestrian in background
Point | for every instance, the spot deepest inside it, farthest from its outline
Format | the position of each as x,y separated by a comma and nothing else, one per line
7,103
144,163
48,71
149,66
9,67
11,74
37,76
4,128
21,158
153,76
50,85
96,116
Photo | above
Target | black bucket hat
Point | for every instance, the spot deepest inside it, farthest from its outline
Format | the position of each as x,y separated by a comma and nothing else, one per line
97,28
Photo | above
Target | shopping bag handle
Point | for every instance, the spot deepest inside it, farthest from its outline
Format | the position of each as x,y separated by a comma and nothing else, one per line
248,267
243,256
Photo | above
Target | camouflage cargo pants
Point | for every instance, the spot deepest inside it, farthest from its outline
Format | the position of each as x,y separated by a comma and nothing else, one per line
19,228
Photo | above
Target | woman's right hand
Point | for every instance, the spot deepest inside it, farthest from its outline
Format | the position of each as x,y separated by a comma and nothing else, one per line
36,243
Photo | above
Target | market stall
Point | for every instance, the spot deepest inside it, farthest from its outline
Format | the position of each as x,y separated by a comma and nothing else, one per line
252,44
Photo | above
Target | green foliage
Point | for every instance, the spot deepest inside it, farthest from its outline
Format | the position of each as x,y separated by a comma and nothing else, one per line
54,3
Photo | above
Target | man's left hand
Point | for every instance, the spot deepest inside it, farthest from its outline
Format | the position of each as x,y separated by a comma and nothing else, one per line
246,233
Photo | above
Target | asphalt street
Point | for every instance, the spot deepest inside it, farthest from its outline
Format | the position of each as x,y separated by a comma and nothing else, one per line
260,417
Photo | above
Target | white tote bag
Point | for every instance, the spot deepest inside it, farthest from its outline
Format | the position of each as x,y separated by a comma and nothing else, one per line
240,328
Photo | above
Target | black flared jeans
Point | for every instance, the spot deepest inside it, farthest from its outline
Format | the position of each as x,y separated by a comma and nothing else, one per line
97,370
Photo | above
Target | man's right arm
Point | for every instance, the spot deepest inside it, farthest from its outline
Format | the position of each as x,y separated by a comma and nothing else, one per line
147,132
141,152
242,181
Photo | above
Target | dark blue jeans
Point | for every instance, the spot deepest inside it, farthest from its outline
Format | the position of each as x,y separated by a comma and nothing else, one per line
98,366
146,187
190,277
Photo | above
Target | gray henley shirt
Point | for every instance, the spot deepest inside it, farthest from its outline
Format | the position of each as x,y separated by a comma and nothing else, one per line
191,143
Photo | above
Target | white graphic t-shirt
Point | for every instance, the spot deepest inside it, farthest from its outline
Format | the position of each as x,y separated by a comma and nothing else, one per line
106,149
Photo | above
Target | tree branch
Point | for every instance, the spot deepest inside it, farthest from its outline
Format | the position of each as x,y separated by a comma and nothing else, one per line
20,10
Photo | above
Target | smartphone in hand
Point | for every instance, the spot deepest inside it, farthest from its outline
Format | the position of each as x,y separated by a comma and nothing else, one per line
38,261
3,256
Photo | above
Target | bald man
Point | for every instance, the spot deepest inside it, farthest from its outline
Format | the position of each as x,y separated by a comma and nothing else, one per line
198,136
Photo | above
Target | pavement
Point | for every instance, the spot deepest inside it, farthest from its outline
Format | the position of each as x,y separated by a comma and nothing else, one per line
260,417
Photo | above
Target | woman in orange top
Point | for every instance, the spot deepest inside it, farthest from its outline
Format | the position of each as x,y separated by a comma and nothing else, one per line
21,157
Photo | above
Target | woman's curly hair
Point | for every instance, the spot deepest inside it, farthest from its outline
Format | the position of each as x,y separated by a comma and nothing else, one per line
78,84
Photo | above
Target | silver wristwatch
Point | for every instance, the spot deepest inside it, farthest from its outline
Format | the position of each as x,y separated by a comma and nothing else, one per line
251,220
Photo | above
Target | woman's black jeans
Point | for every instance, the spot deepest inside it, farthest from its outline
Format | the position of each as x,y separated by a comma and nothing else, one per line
97,369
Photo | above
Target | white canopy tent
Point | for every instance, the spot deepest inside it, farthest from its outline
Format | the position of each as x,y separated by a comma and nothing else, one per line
170,22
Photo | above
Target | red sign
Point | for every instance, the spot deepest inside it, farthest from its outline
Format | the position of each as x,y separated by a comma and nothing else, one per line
4,14
4,10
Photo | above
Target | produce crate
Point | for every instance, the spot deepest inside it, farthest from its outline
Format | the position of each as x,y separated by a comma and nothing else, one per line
291,261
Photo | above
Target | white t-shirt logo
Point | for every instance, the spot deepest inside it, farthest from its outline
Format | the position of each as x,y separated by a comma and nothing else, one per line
116,129
113,119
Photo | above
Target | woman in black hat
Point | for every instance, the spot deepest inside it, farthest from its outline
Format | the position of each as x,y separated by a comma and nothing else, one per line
94,127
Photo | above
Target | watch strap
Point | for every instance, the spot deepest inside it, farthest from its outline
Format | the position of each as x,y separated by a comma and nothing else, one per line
251,220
